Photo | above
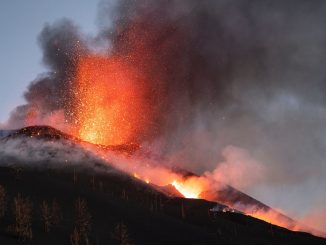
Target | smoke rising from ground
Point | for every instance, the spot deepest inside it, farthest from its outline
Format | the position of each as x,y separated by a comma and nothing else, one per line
238,169
244,73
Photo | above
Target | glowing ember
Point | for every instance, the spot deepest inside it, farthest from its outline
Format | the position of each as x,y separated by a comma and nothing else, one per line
109,101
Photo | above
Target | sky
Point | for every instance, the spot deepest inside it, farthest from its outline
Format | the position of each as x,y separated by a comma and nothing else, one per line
20,55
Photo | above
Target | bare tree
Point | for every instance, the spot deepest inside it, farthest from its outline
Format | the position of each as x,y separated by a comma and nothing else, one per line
22,210
46,216
121,235
83,219
2,201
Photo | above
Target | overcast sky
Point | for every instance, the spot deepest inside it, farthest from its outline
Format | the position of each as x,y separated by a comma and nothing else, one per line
20,55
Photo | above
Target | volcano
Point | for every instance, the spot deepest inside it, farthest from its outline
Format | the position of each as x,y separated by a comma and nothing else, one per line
55,165
228,195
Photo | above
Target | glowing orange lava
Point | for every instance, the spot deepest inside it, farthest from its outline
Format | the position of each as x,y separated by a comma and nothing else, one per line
109,101
187,189
190,187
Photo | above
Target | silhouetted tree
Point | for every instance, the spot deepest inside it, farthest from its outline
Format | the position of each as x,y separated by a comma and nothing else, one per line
121,235
56,212
46,216
22,210
2,201
82,219
75,237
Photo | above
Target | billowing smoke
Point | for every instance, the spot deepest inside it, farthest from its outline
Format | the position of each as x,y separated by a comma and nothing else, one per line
50,96
238,169
244,73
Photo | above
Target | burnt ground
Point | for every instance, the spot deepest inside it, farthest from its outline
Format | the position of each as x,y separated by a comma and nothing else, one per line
149,216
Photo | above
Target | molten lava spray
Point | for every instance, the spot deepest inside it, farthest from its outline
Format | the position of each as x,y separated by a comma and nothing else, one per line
110,101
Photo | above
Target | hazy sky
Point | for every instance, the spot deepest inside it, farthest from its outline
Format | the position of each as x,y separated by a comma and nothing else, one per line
20,55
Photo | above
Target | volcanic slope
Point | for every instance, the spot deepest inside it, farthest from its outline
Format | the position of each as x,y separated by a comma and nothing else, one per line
54,167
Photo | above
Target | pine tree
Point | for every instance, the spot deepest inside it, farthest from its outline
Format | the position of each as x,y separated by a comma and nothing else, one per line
22,210
120,234
56,212
2,201
75,237
82,219
46,216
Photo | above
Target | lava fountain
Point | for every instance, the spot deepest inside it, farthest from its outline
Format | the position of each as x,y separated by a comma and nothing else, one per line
110,105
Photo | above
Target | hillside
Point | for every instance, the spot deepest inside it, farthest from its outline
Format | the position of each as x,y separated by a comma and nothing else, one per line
150,217
149,214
